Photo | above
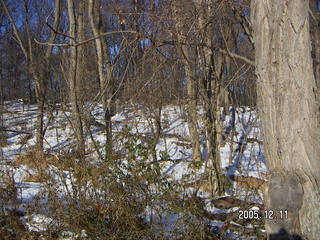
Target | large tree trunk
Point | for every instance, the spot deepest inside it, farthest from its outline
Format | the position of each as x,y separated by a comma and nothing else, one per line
289,113
315,39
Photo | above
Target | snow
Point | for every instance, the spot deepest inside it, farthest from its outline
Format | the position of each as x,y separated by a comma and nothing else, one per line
37,222
250,162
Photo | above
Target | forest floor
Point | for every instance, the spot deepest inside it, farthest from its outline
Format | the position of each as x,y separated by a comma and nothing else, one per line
242,157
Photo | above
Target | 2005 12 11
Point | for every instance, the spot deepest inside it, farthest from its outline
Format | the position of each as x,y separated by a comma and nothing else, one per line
266,214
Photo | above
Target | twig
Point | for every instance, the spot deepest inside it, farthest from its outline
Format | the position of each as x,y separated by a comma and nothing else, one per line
15,131
234,55
76,44
56,31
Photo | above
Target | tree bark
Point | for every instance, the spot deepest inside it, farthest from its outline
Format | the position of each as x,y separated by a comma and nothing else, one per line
315,39
289,113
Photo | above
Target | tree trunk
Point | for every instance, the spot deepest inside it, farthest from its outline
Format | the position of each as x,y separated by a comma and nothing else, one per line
105,76
183,50
315,38
39,85
212,65
74,81
44,75
289,113
3,135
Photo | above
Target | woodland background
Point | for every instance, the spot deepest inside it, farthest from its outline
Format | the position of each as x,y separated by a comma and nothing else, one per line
93,94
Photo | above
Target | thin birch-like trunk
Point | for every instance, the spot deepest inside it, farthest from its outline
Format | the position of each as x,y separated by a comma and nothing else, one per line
191,81
105,75
74,81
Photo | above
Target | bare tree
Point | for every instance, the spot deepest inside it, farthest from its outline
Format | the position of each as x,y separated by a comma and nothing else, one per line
104,70
40,75
212,64
74,79
181,34
43,78
290,115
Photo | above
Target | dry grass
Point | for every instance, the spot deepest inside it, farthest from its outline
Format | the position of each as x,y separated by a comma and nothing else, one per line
39,163
250,183
107,201
3,140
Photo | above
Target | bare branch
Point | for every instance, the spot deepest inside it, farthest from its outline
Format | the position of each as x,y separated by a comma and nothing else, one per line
234,55
15,30
56,25
55,29
76,44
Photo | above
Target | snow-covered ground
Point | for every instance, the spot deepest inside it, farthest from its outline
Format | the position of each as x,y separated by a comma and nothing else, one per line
241,154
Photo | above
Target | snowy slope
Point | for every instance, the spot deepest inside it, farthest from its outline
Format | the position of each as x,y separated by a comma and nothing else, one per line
242,153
